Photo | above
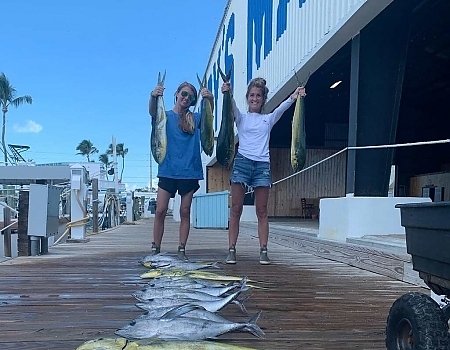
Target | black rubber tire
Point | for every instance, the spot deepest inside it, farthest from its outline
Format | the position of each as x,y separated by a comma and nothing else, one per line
416,322
446,311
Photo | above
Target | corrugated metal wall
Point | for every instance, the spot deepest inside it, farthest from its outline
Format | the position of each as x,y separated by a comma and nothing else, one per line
210,210
273,39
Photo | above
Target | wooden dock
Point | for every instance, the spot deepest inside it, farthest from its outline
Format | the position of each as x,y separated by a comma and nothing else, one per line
82,291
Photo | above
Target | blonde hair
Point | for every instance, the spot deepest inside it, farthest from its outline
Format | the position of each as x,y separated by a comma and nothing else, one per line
186,121
261,84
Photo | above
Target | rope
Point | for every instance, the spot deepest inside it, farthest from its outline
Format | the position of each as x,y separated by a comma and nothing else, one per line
396,145
7,206
5,228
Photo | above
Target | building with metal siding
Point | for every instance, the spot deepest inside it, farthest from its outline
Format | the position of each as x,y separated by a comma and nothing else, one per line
337,40
273,39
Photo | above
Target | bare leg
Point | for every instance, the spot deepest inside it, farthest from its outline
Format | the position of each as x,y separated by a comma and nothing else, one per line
185,216
162,202
237,201
261,199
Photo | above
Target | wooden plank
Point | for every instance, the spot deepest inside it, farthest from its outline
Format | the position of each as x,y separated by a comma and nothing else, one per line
80,292
441,179
371,259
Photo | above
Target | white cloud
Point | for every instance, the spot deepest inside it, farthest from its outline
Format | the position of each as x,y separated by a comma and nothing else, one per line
29,127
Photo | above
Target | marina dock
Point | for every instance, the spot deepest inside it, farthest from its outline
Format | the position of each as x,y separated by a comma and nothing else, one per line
82,291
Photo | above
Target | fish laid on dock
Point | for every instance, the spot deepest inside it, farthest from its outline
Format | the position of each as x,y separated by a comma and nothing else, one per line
182,265
212,306
206,122
172,272
225,140
116,344
184,328
158,138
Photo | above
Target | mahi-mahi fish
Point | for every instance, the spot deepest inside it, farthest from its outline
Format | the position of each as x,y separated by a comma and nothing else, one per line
206,122
123,344
225,140
298,141
158,139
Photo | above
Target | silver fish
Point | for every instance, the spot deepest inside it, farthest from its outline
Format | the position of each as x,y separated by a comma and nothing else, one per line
158,257
212,306
190,266
188,310
198,312
183,328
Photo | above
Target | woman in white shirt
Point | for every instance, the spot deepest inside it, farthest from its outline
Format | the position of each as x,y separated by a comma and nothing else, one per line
251,167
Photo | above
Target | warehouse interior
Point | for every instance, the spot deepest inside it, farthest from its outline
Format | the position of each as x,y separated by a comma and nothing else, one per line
424,112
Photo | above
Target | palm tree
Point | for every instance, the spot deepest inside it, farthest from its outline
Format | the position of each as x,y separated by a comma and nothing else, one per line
104,159
7,98
86,148
121,151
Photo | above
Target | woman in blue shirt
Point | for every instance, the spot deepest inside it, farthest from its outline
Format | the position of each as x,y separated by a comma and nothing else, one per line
181,168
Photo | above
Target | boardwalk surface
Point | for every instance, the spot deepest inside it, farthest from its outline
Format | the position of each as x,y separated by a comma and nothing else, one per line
82,291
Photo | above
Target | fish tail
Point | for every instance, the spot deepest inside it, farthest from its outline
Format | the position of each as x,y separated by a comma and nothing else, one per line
215,265
243,285
240,303
255,317
254,329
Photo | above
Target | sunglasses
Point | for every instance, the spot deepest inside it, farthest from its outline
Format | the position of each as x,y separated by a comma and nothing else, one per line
184,93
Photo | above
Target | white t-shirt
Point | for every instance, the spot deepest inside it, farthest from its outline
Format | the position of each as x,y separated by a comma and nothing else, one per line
254,131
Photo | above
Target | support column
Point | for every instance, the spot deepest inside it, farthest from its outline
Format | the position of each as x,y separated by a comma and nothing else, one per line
379,52
22,224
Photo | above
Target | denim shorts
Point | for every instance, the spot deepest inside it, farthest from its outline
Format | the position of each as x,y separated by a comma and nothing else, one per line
251,173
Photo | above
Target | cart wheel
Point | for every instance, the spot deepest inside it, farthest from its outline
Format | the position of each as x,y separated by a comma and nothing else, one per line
446,311
416,322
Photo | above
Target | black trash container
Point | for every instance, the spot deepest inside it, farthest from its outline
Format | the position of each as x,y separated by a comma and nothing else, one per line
152,206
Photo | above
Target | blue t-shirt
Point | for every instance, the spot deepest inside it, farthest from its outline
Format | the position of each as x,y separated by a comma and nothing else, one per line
182,159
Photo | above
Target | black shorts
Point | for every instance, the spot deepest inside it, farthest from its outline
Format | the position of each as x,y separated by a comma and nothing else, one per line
183,186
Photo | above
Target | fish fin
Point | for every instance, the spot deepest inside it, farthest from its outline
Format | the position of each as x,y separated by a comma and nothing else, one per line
180,310
255,330
141,305
255,317
200,82
302,83
161,80
243,285
215,265
240,303
229,72
222,74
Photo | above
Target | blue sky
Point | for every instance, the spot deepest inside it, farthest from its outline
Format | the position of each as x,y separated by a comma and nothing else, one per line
90,67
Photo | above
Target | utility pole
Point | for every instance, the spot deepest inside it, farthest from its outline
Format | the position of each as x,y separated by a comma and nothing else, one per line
95,205
116,178
150,157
